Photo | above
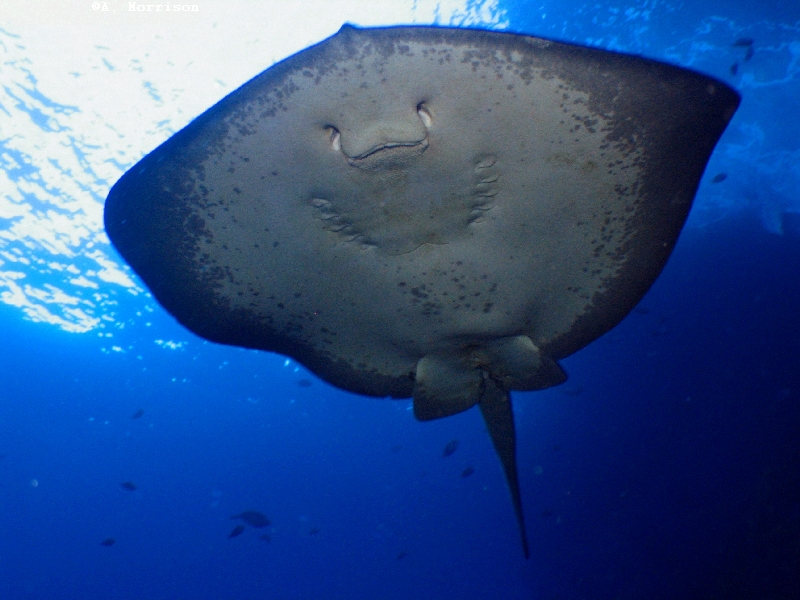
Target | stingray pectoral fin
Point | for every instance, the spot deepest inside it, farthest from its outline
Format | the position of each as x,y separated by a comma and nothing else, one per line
444,386
518,364
495,404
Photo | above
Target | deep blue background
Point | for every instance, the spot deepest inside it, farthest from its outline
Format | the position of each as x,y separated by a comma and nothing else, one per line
668,466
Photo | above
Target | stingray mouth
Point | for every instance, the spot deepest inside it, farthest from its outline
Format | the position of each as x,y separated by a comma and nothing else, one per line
385,155
388,154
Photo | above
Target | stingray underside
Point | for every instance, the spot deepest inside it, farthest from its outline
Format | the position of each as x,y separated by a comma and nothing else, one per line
426,212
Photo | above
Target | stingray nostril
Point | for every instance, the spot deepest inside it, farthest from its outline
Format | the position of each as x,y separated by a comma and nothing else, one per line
336,143
424,114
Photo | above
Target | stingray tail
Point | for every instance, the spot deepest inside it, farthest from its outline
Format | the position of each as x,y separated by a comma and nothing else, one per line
495,404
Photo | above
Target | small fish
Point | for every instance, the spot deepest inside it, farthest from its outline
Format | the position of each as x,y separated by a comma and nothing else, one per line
138,414
468,471
314,531
265,537
719,178
304,382
236,531
749,54
108,542
743,43
451,447
254,518
128,485
734,68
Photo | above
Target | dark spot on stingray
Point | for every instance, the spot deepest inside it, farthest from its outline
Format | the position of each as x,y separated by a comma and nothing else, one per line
468,471
138,414
743,43
253,518
451,447
719,178
128,485
314,531
236,531
108,542
304,383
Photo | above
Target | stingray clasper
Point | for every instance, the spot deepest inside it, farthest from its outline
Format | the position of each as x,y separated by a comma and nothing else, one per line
427,212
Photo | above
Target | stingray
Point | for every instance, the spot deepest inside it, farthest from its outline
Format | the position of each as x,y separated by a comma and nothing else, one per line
424,212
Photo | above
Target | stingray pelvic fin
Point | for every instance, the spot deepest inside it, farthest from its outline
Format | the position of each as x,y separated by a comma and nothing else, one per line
445,385
449,383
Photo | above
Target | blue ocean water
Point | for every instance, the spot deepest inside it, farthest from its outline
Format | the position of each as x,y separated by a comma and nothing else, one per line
668,466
